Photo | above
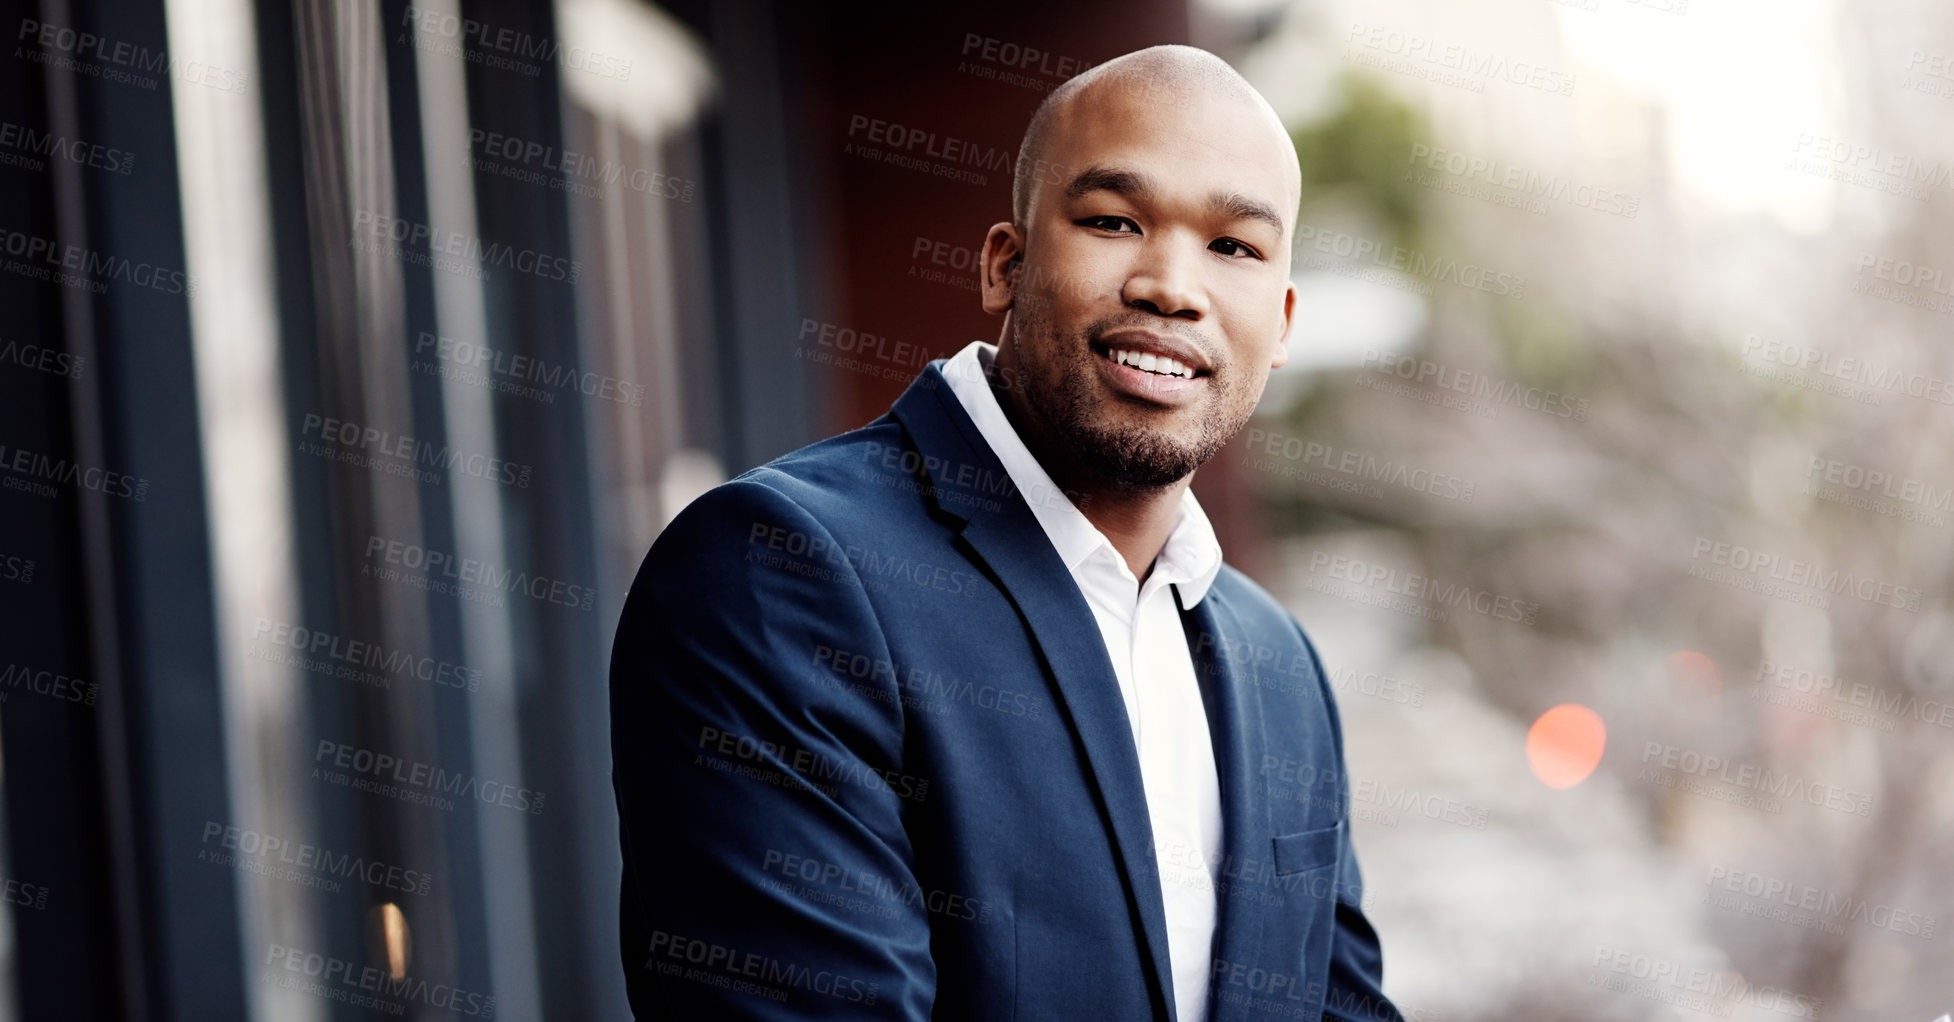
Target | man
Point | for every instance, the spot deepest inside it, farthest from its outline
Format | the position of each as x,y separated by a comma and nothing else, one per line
960,715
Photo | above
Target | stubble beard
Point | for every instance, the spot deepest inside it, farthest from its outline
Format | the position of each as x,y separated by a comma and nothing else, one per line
1127,456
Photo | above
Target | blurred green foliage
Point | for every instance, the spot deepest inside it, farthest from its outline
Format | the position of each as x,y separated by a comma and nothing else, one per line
1361,151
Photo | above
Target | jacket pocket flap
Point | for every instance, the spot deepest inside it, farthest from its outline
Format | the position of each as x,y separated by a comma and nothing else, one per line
1308,849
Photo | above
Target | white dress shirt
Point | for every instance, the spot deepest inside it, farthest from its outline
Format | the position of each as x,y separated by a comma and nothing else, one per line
1150,657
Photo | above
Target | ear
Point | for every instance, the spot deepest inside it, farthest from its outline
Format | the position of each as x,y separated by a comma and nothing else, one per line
1001,262
1288,320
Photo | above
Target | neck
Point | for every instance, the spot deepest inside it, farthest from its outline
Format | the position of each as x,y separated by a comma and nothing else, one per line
1136,522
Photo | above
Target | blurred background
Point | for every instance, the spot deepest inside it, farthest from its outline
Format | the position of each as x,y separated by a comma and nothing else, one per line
354,353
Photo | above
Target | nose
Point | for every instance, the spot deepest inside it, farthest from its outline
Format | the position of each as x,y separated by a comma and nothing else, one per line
1166,279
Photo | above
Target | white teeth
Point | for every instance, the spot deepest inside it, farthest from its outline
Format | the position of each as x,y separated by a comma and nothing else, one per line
1158,364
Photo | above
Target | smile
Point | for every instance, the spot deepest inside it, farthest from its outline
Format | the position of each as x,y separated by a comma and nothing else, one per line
1155,379
1160,365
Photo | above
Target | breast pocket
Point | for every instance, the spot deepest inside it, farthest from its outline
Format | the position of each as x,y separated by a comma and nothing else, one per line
1308,849
1297,931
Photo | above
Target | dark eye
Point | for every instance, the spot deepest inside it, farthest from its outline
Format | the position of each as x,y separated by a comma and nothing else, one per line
1110,223
1231,247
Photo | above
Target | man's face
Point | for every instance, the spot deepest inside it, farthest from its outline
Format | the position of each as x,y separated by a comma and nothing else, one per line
1159,230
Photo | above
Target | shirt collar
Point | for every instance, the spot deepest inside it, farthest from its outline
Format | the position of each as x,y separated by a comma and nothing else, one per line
1191,557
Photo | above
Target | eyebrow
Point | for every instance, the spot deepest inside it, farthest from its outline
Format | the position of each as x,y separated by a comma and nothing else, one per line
1136,185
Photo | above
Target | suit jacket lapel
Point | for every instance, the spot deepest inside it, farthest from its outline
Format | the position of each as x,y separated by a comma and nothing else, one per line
1234,705
970,484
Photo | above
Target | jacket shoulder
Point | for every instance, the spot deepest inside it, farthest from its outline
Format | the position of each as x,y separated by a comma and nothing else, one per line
1257,610
837,479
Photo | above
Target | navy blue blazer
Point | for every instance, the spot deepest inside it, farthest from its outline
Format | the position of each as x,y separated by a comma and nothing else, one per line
872,762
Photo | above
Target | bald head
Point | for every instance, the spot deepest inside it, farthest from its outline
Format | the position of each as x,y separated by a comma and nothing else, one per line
1169,76
1144,275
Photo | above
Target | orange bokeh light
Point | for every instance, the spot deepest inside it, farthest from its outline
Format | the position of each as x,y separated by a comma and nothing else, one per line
1565,744
1694,675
